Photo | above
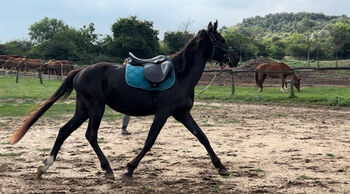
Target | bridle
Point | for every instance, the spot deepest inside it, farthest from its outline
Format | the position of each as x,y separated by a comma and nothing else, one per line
220,48
220,62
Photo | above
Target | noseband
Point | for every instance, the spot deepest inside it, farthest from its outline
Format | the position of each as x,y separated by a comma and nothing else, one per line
217,47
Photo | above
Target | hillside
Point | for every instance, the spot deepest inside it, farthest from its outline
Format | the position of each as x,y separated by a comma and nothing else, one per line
291,22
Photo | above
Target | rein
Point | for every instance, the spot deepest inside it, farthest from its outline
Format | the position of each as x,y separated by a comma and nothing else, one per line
211,82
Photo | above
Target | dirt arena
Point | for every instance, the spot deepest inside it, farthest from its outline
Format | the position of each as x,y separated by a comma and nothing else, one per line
267,148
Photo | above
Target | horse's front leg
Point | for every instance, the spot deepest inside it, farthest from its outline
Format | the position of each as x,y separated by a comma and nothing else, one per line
157,125
187,120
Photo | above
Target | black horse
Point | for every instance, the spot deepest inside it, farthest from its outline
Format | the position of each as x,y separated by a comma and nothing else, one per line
104,83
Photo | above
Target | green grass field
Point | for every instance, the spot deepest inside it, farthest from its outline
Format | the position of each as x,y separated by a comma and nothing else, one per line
313,63
17,100
322,96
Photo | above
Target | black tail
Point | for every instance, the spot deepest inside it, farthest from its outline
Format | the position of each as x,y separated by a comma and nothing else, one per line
61,93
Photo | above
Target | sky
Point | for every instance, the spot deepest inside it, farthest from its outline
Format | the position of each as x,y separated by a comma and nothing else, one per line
16,16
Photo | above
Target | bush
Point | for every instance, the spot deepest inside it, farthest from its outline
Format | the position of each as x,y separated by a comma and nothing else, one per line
338,101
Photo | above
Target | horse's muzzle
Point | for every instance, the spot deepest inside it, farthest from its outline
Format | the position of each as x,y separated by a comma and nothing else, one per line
232,59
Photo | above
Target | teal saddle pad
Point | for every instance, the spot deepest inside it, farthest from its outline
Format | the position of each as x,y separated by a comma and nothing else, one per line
134,78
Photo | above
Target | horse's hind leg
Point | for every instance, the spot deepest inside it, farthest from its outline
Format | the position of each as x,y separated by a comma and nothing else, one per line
262,77
95,117
79,117
187,120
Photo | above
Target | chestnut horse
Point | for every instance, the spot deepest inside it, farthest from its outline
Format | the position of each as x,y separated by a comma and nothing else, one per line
104,84
260,76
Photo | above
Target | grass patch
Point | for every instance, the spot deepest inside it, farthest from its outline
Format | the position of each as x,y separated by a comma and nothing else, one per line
313,63
17,100
225,176
330,155
21,109
11,154
234,121
215,188
28,88
325,96
206,124
258,170
149,189
302,177
3,124
43,149
280,115
338,101
101,140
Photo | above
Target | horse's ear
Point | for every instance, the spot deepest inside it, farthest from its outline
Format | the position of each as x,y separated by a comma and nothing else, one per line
215,25
210,27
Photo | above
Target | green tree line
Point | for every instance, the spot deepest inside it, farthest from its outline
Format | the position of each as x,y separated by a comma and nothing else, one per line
298,35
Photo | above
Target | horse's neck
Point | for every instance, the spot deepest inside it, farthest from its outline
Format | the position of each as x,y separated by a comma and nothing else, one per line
194,69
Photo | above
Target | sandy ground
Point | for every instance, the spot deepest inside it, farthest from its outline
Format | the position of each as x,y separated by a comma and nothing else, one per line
267,148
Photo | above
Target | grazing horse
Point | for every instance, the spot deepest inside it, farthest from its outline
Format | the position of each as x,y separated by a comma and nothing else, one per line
260,76
104,84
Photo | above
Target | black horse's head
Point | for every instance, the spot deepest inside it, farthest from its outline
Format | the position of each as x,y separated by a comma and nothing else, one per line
221,52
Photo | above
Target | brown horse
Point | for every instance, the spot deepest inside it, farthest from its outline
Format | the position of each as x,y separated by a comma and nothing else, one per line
260,76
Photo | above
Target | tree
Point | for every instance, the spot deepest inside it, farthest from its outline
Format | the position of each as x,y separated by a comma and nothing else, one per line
296,45
186,24
45,29
340,37
139,37
85,40
318,37
244,45
305,28
275,47
174,41
54,39
17,47
61,46
2,49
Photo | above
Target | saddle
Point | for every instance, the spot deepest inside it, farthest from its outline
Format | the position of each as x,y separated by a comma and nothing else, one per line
156,69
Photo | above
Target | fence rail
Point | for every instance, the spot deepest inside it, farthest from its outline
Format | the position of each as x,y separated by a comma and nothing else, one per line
232,72
299,69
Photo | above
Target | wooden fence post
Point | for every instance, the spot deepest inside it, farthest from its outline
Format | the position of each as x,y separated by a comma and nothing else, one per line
40,76
233,84
17,74
61,71
292,85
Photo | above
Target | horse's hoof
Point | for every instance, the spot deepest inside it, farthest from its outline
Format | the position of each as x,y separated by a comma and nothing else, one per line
126,178
110,175
40,171
125,132
223,172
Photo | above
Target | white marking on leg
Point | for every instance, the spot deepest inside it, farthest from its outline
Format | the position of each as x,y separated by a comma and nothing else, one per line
47,163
